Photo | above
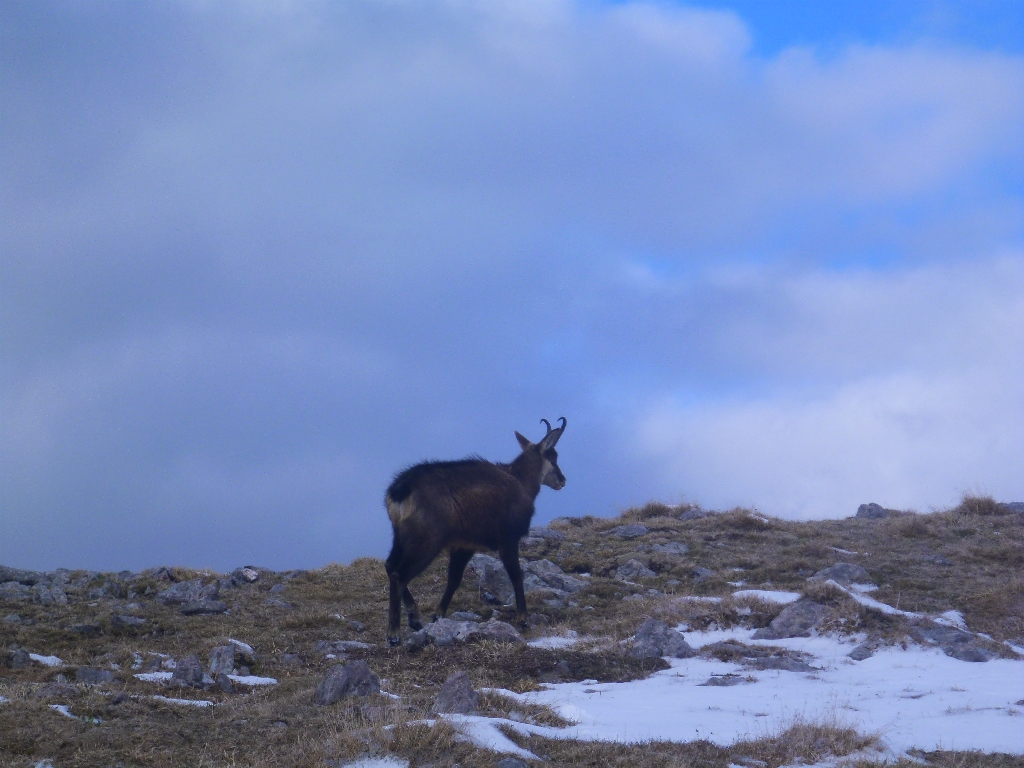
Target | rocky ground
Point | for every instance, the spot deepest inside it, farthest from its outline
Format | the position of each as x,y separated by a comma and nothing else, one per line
172,666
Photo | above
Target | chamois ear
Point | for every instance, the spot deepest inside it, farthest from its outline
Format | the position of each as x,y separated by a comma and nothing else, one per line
551,438
523,442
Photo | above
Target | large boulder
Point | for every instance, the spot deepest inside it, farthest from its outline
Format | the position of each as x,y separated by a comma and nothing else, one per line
494,583
184,592
551,576
351,679
222,660
457,696
19,575
872,511
843,573
952,641
13,590
655,639
538,576
631,531
796,620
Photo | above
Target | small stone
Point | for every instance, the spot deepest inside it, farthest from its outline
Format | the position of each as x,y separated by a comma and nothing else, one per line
87,630
12,590
291,658
224,683
700,575
795,620
12,618
274,602
457,696
493,581
843,573
655,639
17,659
222,660
447,631
535,620
631,531
417,640
91,676
244,650
694,513
547,533
725,680
123,621
277,588
500,632
633,569
188,672
863,651
204,607
465,616
938,560
354,678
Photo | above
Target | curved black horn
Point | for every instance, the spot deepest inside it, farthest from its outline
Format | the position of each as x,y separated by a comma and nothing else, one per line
562,419
546,424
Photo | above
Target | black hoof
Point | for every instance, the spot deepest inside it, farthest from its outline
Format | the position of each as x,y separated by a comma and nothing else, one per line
415,624
393,641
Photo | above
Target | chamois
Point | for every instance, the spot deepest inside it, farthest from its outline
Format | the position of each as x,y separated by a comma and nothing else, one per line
464,506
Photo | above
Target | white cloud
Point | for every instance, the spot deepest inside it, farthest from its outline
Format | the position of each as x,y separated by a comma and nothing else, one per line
936,409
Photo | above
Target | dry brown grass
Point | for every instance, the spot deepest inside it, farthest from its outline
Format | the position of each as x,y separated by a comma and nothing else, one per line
967,558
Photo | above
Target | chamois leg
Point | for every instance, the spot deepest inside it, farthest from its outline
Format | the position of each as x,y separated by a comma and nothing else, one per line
412,610
457,560
510,558
395,594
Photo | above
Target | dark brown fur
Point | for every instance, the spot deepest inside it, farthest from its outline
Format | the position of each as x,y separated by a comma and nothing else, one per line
464,506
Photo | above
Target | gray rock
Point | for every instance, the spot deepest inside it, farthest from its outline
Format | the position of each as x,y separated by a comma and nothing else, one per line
17,659
12,618
182,592
91,676
872,511
634,569
725,680
124,621
457,696
245,575
275,602
20,576
511,762
13,590
938,560
351,679
277,588
953,642
863,651
499,632
188,672
243,651
843,573
448,631
796,620
224,683
700,575
552,576
465,616
785,663
631,531
494,583
672,548
547,533
417,640
655,639
222,660
87,630
340,646
41,594
203,607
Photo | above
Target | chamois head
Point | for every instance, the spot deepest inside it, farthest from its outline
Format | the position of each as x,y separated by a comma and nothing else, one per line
550,474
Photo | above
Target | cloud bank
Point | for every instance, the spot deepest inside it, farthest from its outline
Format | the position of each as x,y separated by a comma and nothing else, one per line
258,257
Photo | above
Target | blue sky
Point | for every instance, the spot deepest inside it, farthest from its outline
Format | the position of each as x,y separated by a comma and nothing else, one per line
257,257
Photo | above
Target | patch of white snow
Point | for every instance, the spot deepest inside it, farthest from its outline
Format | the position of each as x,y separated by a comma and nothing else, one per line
555,641
251,680
46,661
185,702
154,677
769,596
483,732
952,619
378,762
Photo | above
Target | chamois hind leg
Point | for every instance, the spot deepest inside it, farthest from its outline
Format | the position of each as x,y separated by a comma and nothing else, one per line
411,609
395,594
457,560
403,567
510,558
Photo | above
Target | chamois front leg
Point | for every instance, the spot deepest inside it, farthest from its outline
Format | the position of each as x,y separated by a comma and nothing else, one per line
510,558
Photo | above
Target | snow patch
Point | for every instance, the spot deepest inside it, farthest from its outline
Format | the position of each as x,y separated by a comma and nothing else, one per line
154,677
556,641
46,661
185,702
769,596
378,762
251,680
64,709
953,619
